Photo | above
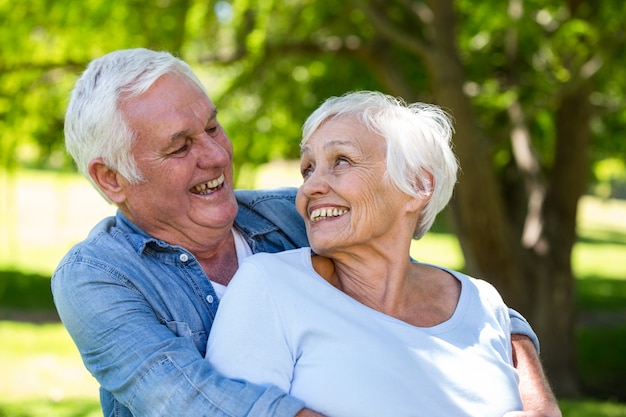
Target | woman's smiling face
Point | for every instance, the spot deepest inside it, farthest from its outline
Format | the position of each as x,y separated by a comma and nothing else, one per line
346,198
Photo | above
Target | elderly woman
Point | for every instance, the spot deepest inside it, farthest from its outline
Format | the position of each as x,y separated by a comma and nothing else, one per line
359,328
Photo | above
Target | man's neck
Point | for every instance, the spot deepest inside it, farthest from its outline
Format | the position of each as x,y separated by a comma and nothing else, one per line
220,265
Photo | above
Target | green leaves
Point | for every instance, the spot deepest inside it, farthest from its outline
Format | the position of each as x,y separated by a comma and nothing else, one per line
269,63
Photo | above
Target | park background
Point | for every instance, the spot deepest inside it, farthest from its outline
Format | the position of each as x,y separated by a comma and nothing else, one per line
536,89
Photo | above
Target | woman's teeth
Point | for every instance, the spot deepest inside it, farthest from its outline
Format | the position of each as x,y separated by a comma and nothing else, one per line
324,213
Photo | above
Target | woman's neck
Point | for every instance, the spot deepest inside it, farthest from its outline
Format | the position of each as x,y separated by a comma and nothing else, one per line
417,294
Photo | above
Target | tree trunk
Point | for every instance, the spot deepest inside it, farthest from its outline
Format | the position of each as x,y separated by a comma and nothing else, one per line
554,313
485,235
536,280
519,240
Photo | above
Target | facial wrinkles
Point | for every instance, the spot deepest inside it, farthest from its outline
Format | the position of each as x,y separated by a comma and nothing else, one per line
196,113
162,125
173,114
218,159
203,140
364,174
324,168
366,210
364,215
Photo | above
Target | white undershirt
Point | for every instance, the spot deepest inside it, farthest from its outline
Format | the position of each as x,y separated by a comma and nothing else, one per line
243,251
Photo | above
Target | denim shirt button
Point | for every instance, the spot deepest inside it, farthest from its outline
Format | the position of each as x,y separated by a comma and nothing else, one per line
183,257
209,298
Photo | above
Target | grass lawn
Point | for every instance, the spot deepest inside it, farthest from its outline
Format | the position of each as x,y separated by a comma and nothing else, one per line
41,373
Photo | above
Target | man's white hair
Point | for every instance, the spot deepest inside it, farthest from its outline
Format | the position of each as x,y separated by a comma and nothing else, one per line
94,124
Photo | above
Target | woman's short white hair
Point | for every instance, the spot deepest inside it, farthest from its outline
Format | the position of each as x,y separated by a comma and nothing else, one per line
94,124
420,160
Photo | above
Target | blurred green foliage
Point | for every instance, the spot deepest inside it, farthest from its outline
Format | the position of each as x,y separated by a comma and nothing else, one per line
269,63
23,291
524,64
601,361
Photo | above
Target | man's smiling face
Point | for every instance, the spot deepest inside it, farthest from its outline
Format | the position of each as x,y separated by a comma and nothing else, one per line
185,158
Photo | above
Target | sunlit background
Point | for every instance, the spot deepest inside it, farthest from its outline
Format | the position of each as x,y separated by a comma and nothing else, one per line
536,87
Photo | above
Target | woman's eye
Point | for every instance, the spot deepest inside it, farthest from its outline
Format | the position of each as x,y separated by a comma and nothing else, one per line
306,172
342,161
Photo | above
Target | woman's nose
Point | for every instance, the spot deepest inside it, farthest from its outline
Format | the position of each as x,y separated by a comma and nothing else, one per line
316,182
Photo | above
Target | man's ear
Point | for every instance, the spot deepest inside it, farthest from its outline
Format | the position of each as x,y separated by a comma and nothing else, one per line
107,181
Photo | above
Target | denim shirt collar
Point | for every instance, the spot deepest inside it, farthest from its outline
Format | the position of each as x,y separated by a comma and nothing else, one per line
137,237
267,219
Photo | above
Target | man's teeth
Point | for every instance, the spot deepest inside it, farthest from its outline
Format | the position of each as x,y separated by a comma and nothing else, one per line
209,186
324,213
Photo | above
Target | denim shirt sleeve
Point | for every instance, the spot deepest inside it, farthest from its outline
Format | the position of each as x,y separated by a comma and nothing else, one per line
150,362
268,219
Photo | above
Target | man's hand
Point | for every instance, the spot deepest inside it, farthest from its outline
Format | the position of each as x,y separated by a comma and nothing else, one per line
537,397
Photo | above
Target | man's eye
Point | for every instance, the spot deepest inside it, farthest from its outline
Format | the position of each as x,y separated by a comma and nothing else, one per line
212,131
182,149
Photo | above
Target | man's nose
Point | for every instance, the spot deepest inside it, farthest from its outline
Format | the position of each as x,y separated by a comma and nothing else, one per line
212,152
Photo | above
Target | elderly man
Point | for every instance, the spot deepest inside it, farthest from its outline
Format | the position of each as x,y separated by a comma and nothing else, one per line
139,294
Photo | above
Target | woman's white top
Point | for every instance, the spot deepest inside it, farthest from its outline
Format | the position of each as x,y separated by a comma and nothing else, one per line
281,323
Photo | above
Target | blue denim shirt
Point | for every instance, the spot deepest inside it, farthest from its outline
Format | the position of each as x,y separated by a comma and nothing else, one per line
140,311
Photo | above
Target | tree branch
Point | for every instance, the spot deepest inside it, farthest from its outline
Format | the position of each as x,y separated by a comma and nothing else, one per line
391,31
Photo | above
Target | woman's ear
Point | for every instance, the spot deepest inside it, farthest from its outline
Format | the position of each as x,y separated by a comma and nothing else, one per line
424,185
107,181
